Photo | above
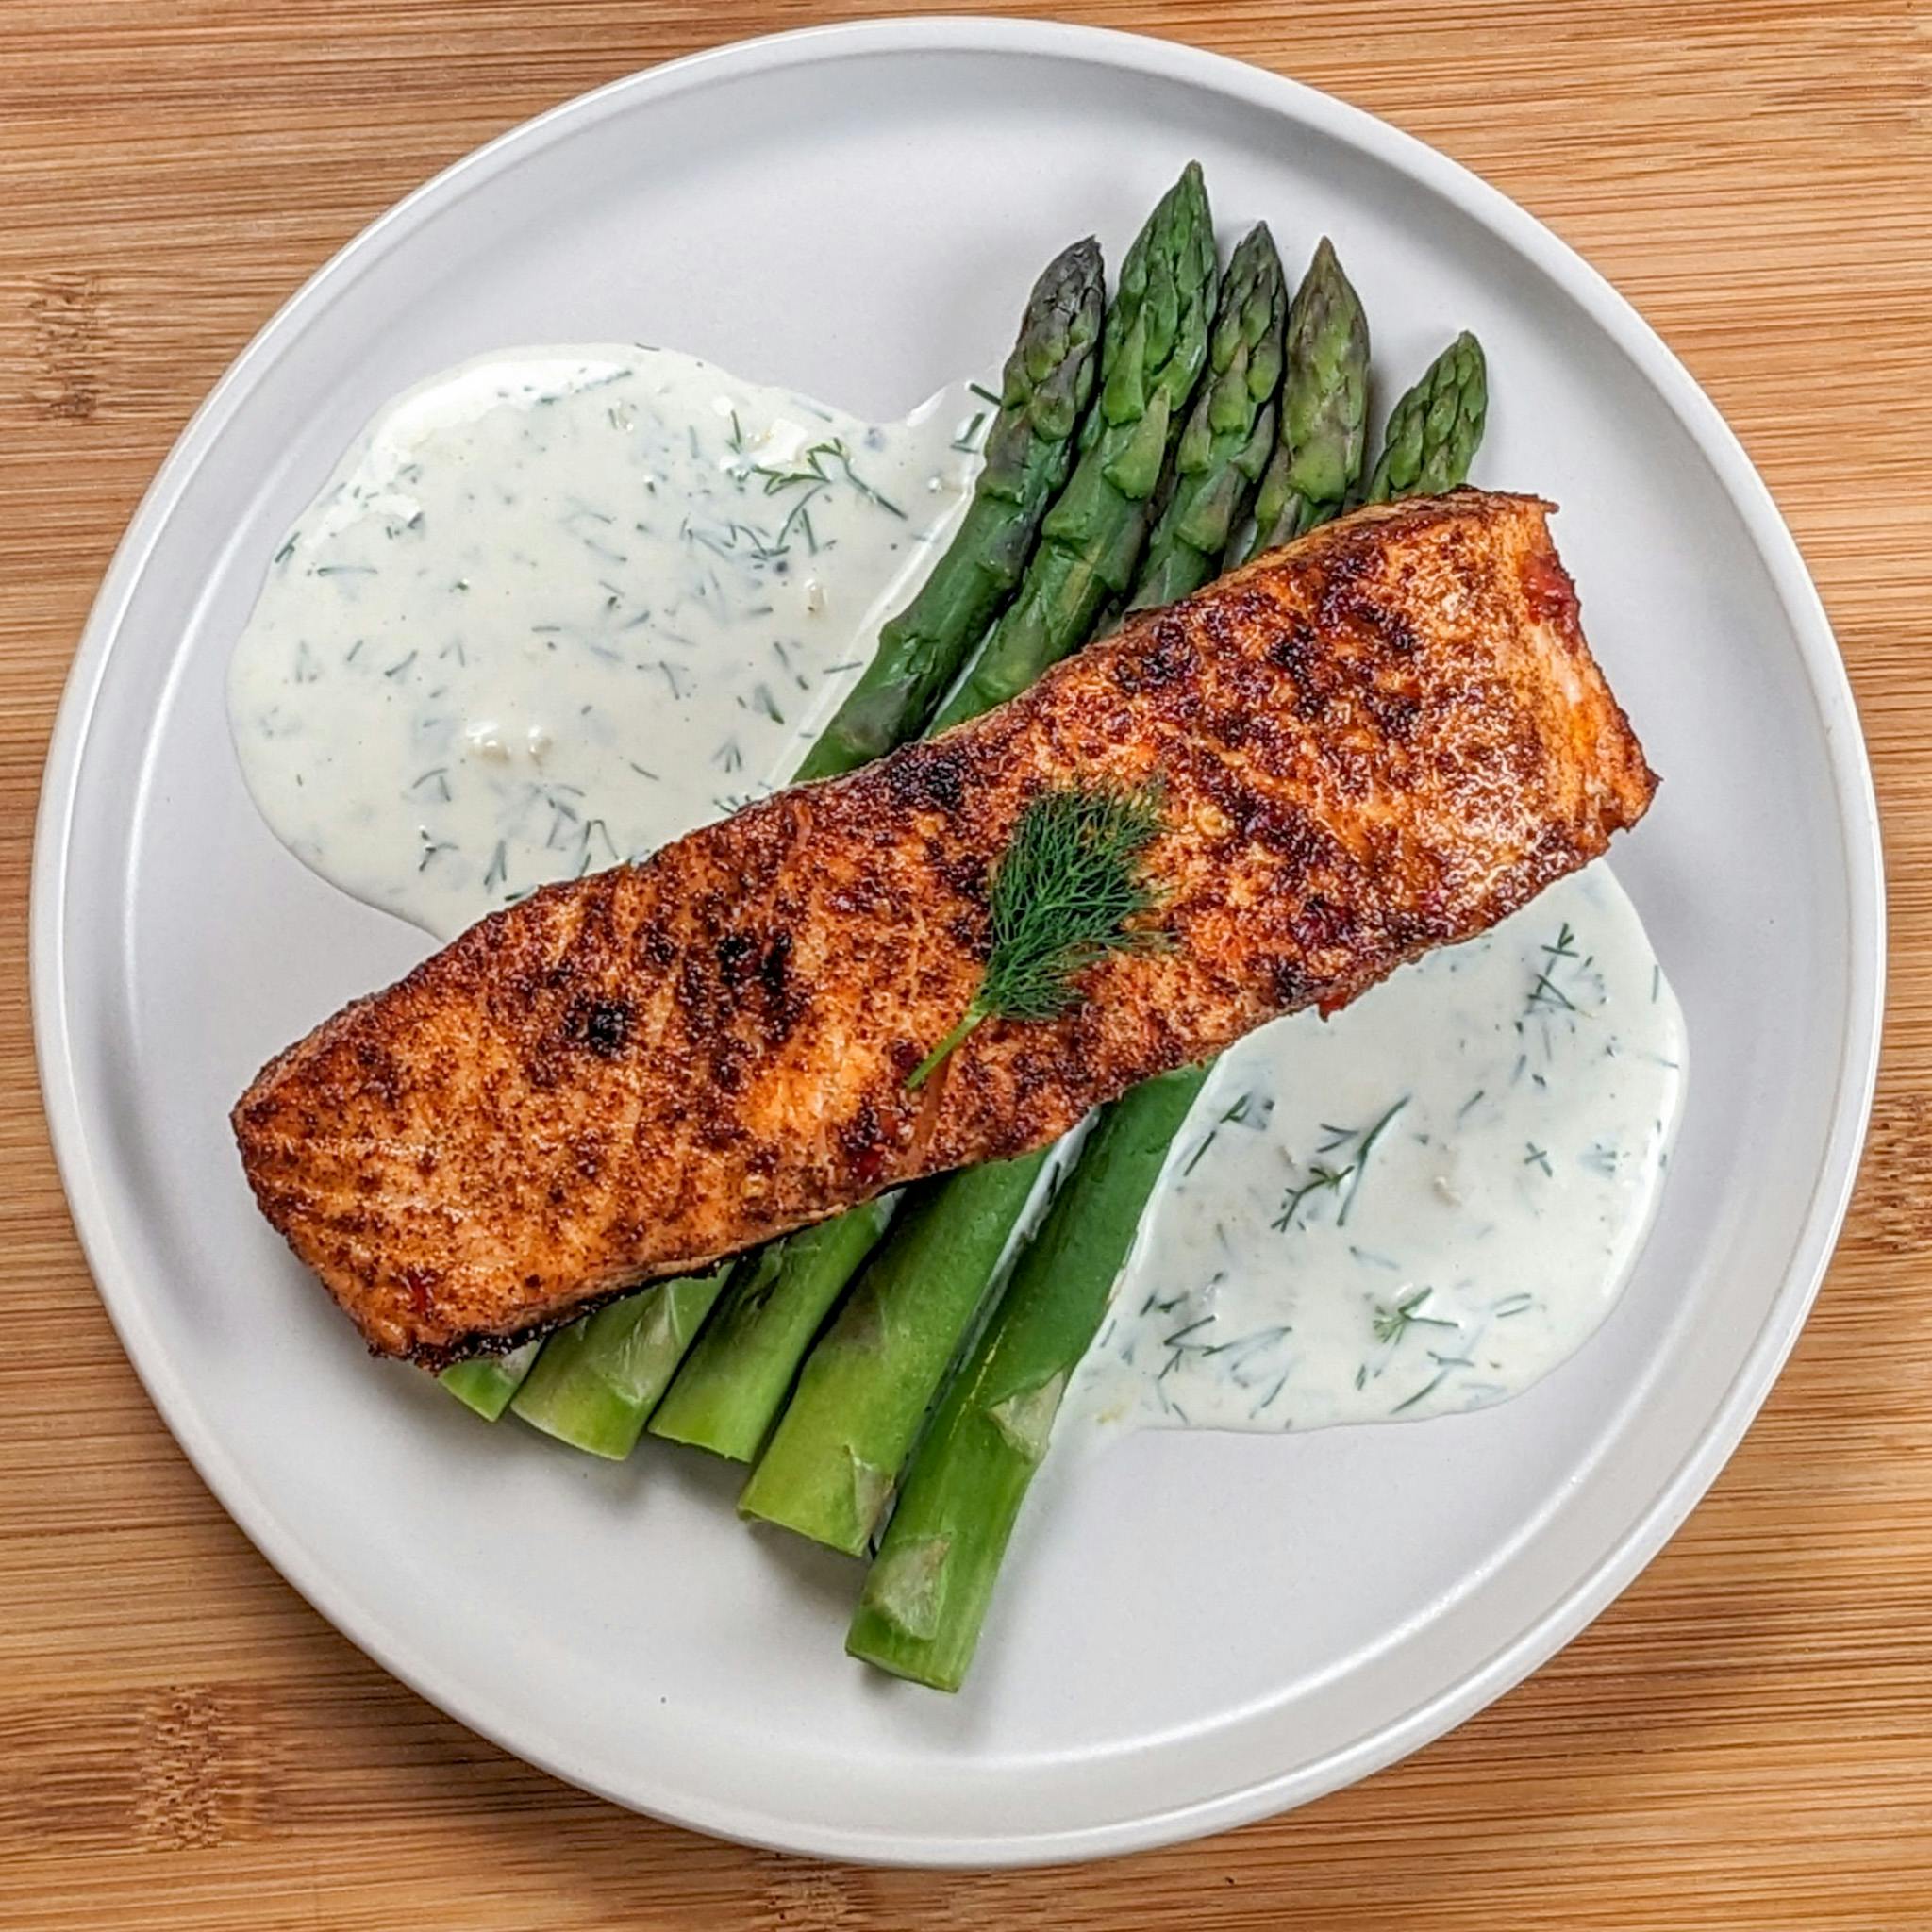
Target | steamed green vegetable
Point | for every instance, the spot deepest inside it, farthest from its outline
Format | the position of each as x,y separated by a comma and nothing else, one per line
1433,430
487,1384
830,1467
1151,356
1029,449
1229,430
597,1380
735,1381
926,1593
1325,408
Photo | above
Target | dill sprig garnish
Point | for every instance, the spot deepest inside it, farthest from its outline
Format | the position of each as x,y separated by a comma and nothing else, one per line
1064,895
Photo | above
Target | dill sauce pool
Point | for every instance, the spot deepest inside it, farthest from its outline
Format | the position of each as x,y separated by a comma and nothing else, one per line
556,609
1422,1204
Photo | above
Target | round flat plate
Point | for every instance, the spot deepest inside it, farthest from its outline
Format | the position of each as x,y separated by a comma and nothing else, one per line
1194,1630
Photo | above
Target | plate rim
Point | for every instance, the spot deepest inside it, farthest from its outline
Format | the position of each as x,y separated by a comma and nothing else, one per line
1848,762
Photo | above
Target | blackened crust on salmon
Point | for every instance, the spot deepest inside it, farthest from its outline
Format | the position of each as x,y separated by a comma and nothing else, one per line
1383,738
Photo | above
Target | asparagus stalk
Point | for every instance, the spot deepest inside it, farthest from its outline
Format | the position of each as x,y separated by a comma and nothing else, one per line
1229,431
829,1470
1151,356
736,1377
926,1593
1153,346
598,1380
1324,402
1433,431
1048,382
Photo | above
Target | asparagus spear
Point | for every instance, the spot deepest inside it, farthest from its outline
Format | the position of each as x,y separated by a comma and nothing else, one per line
928,1588
1048,383
1229,430
736,1379
926,1593
1153,346
829,1470
1433,431
597,1380
1324,400
1151,356
1029,449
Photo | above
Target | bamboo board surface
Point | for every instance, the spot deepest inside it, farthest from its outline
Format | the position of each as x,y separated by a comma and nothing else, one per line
1745,1739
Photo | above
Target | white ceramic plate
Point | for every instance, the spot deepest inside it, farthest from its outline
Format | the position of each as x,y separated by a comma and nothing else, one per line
1195,1630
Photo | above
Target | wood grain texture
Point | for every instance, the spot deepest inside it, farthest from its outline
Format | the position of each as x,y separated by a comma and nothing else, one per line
1745,1739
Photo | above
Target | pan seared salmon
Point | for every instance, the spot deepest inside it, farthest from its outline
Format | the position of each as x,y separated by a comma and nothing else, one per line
1382,738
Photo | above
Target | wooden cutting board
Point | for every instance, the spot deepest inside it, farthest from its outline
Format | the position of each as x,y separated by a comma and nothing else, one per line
1745,1740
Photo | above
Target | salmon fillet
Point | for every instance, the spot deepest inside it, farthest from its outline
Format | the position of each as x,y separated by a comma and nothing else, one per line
1382,738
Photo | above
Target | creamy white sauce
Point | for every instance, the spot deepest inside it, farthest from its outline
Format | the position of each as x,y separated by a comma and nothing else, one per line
1422,1204
556,607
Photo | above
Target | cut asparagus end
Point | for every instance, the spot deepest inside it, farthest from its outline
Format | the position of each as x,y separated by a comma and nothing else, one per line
931,1585
599,1380
837,1502
485,1385
834,1459
906,1588
728,1395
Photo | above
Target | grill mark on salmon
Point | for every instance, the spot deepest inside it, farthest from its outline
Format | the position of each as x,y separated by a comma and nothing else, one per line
1385,738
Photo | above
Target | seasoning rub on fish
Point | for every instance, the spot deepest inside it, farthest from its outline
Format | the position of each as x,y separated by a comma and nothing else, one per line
1384,737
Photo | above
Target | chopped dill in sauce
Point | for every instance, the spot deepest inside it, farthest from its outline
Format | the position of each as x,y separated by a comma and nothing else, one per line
1422,1204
